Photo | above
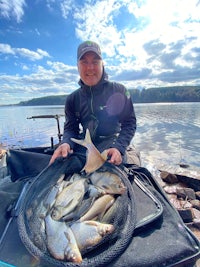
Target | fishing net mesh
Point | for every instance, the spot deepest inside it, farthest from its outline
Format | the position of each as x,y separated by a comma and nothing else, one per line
31,226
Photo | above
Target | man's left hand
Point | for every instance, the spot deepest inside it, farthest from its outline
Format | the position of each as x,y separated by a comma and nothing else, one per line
115,156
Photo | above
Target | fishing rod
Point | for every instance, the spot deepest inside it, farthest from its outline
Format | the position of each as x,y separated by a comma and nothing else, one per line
57,117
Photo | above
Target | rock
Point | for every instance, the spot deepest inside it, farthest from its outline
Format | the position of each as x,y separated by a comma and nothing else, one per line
196,223
183,191
186,215
178,203
170,189
195,229
196,214
195,203
168,177
174,201
186,193
186,204
197,194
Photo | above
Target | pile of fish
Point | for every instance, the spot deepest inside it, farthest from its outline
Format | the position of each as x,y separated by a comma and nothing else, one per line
75,215
78,212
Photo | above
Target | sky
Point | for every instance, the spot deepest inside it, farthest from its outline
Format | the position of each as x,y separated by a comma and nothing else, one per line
145,44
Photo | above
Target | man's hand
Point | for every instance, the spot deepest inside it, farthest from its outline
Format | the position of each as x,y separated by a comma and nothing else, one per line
61,151
115,156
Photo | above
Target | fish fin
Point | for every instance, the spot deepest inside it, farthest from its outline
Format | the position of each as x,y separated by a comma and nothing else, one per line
70,202
91,222
88,137
84,142
67,236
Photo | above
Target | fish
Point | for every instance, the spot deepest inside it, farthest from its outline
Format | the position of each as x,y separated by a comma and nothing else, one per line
61,242
108,182
95,191
99,208
75,177
54,190
35,216
81,209
95,159
68,199
110,214
50,198
89,233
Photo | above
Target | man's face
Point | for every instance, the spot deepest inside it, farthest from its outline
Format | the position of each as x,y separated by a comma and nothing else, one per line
90,68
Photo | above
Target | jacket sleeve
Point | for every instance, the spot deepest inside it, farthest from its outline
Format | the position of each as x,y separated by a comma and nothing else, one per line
71,125
128,121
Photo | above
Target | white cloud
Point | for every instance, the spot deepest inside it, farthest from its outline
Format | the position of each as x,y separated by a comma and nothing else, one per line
59,79
159,46
66,7
6,49
12,9
24,52
95,22
25,67
164,20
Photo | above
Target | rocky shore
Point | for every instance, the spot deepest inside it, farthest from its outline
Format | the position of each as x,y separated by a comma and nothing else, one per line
181,185
184,193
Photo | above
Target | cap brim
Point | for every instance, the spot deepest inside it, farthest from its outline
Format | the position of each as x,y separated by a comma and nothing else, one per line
89,49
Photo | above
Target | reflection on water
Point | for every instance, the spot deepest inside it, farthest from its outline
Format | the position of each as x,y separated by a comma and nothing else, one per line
167,131
16,130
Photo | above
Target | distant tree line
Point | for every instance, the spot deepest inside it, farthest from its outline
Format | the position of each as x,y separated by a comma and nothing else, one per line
45,101
151,95
166,94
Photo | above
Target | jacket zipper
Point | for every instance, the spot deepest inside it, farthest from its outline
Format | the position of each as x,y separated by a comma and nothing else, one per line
91,100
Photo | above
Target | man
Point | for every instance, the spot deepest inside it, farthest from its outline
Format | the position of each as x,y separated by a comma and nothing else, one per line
104,107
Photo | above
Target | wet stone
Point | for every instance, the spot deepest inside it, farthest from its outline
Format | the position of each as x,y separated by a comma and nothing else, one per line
168,177
196,223
197,194
186,193
195,203
186,215
186,204
196,214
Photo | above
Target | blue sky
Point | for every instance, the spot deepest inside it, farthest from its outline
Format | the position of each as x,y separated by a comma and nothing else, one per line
147,43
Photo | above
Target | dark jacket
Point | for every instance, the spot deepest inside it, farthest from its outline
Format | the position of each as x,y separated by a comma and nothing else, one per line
106,109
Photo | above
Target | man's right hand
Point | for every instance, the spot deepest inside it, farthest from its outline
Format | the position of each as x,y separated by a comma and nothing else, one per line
62,151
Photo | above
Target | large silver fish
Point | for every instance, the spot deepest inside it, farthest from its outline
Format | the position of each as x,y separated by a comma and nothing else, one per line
90,233
68,199
50,198
95,159
61,242
98,209
81,209
109,182
110,214
35,217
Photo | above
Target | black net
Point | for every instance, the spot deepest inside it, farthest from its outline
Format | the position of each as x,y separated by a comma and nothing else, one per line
32,214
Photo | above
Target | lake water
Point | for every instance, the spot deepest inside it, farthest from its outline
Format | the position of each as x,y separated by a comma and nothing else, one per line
167,131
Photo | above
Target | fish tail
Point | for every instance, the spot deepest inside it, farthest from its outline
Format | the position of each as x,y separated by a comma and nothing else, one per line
84,142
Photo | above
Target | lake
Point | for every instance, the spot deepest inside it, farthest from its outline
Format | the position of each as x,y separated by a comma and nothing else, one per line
167,131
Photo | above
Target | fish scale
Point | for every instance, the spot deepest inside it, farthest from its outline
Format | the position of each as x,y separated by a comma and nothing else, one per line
99,207
68,199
